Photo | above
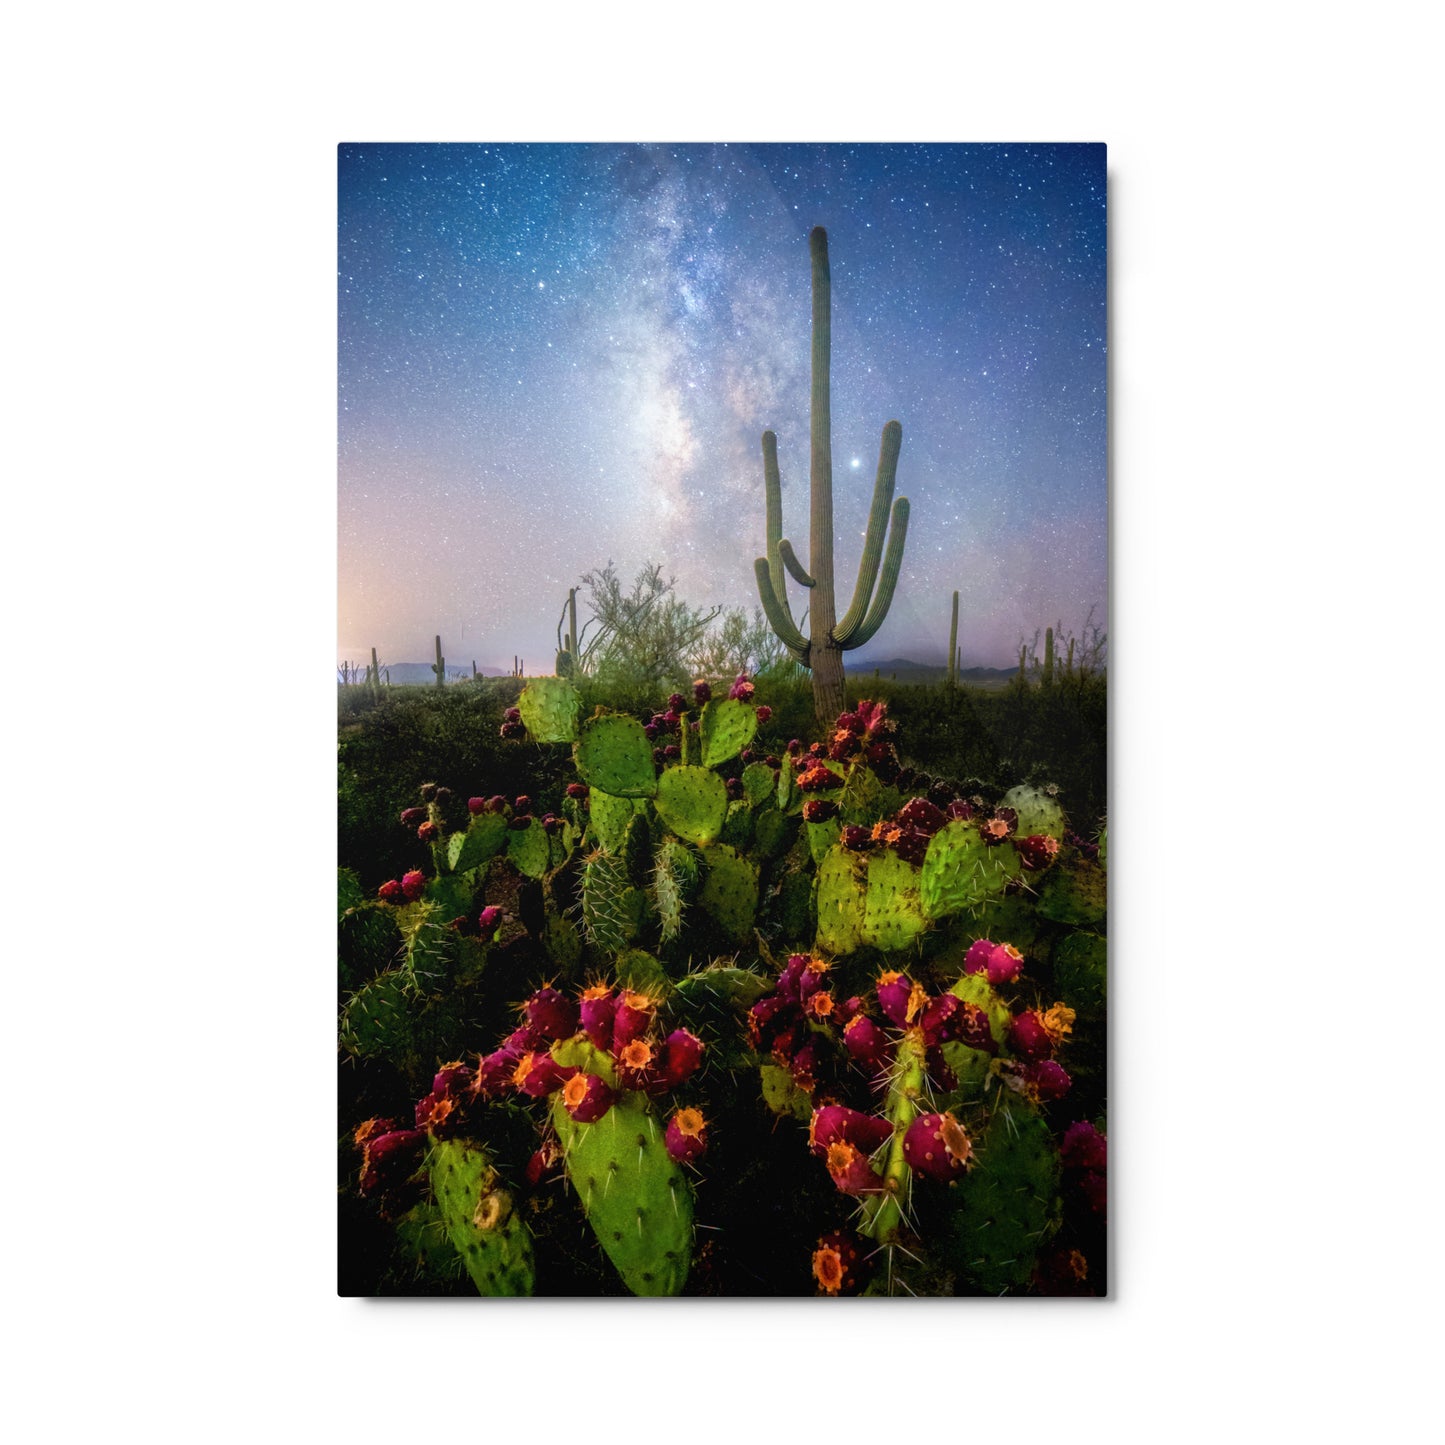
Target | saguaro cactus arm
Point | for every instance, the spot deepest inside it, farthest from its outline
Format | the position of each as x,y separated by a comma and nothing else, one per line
873,542
892,562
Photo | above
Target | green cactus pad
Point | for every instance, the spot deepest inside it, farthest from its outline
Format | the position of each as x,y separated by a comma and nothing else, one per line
483,837
720,987
822,837
840,902
1037,811
1007,1205
782,1095
367,942
961,871
972,1068
1104,849
975,988
1081,969
611,906
725,727
692,802
349,892
424,1255
674,883
1074,891
738,830
773,833
637,850
636,1198
610,816
562,941
638,970
758,784
730,890
797,916
613,754
861,797
498,1258
788,794
449,896
892,915
549,709
529,849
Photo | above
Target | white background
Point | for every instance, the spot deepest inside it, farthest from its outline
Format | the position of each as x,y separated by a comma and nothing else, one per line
169,597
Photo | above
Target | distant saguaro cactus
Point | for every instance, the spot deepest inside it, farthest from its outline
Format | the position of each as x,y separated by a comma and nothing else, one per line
1048,657
568,656
440,665
953,645
822,652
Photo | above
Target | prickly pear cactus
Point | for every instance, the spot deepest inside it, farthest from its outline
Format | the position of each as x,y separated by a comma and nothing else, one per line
725,727
612,908
840,904
549,707
610,816
482,838
692,802
961,871
636,1198
892,914
1037,810
675,882
730,890
484,1229
613,753
529,849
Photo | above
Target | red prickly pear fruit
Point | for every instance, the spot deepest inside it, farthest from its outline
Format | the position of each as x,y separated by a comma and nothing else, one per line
1083,1147
595,1012
1037,851
820,1006
845,1012
866,1043
672,751
587,1097
490,918
804,1067
976,959
734,788
942,1019
636,1063
1048,1080
836,1123
428,792
389,891
791,978
959,810
552,1014
371,1129
577,791
496,1073
686,1136
849,1169
451,1074
476,806
518,821
701,692
388,1159
682,1058
677,702
672,716
496,804
763,1013
435,1112
427,833
632,1018
443,797
413,885
856,839
815,970
893,990
512,714
1005,964
999,827
974,1031
410,817
937,1146
522,804
795,746
764,713
819,810
742,689
838,1263
543,1162
523,1039
1028,1037
918,813
843,746
538,1074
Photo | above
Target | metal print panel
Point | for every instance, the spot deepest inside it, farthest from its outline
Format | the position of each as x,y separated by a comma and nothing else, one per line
722,677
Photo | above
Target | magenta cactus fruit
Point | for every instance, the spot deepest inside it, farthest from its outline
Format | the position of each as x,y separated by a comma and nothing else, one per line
838,1263
976,959
596,1009
577,791
496,1072
389,891
543,1162
677,702
637,1064
522,804
686,1136
701,692
1005,963
413,884
899,997
451,1078
998,827
1037,851
552,1014
959,810
942,1019
682,1057
410,817
389,1159
1047,1079
476,806
866,1043
1083,1147
819,810
1096,1190
742,689
632,1018
836,1123
512,715
856,839
849,1169
538,1074
519,821
1028,1037
937,1146
920,814
490,918
765,713
587,1097
973,1029
816,776
427,833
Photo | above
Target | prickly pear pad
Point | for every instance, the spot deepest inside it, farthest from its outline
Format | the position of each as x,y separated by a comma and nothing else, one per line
610,816
788,793
527,848
637,1200
549,707
1074,892
483,837
497,1251
611,906
613,753
1037,811
840,903
725,727
692,802
822,837
757,784
961,871
892,915
975,988
730,890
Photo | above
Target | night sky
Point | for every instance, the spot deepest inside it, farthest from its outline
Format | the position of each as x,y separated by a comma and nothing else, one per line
553,356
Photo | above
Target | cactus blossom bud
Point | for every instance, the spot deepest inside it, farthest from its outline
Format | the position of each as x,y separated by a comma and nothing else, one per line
1028,1037
849,1169
937,1146
427,833
686,1136
389,891
490,918
413,884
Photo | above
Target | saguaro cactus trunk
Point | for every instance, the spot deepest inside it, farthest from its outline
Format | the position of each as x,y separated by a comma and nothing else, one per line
440,665
823,650
953,645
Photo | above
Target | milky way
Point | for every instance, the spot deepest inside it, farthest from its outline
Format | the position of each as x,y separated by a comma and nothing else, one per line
555,356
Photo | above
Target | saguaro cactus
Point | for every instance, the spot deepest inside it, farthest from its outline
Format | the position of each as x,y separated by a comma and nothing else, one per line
440,665
822,652
568,658
1048,657
953,645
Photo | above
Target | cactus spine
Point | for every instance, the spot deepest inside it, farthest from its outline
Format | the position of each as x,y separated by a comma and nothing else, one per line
440,665
953,645
823,651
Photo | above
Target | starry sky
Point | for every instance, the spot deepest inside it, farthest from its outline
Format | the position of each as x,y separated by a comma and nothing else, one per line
556,356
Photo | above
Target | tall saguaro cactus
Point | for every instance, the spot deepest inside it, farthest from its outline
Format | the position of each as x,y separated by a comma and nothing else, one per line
440,665
823,651
953,645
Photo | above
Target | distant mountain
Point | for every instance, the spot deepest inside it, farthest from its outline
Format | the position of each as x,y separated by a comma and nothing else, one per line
904,669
